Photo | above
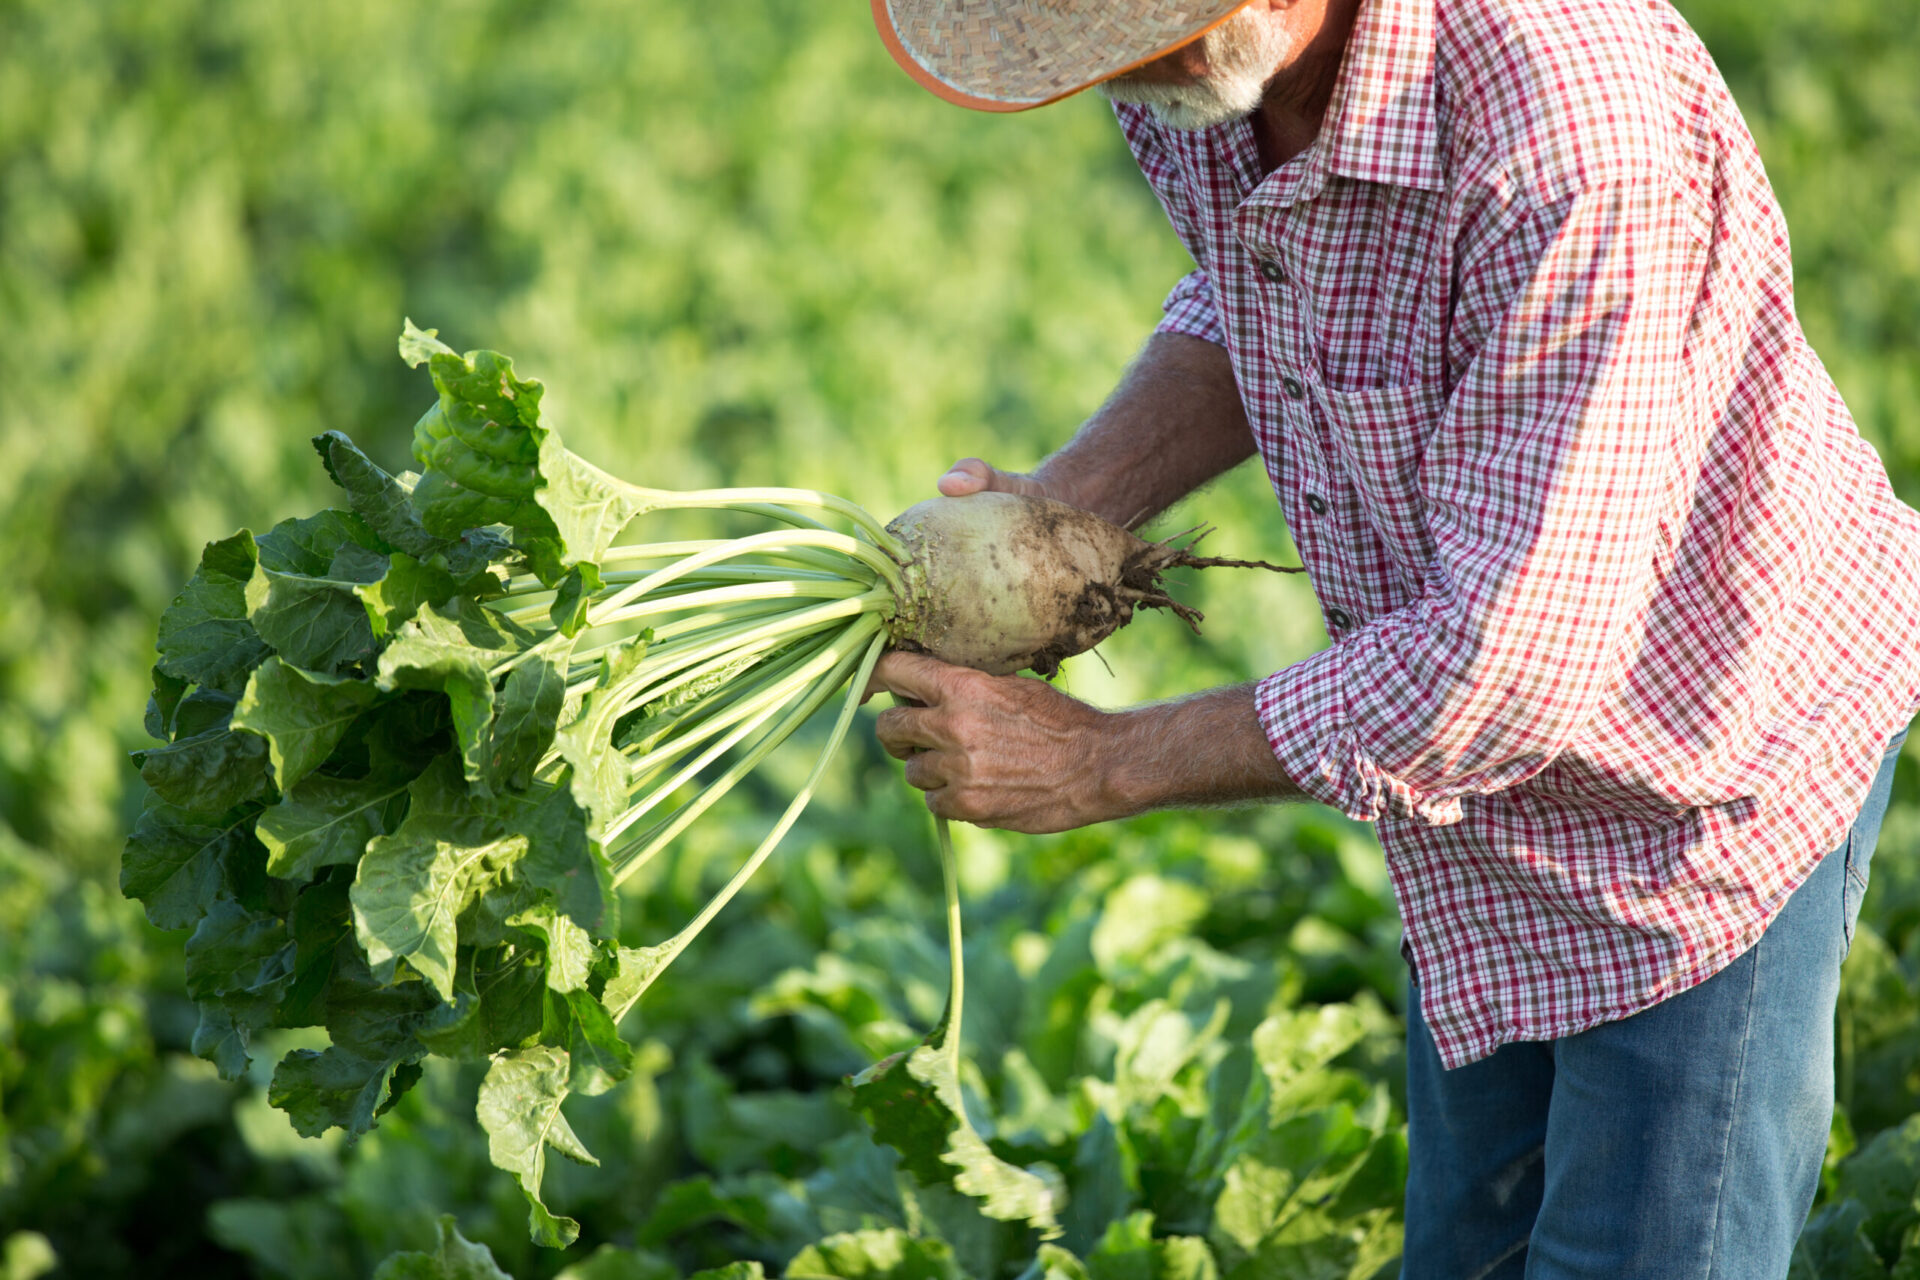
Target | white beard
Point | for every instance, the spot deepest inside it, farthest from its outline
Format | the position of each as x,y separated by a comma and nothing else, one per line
1242,54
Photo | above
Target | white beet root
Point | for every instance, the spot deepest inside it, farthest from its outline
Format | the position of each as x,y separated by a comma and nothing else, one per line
1001,582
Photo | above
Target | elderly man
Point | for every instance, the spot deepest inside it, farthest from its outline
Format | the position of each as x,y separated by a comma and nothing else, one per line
1623,611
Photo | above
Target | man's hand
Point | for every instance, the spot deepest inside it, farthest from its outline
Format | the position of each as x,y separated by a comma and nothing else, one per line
996,751
1014,752
971,475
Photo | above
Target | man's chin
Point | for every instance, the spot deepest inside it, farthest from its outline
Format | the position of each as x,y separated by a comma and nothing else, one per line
1180,115
1187,112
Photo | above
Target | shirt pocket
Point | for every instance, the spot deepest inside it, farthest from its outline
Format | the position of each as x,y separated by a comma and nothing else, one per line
1380,439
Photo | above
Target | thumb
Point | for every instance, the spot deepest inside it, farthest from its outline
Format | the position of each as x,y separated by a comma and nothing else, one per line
971,475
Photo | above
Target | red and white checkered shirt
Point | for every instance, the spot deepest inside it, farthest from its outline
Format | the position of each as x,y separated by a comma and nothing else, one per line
1623,609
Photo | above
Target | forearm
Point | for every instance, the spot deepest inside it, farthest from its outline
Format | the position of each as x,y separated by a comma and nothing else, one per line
1174,423
1206,749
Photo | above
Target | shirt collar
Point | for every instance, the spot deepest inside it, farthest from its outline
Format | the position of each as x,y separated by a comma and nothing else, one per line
1381,123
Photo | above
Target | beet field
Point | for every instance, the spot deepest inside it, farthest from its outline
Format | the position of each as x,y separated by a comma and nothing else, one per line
738,248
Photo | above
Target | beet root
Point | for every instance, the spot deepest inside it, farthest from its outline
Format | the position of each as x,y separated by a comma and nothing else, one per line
1001,582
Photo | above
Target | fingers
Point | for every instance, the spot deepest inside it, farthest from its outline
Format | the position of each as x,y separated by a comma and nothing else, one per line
905,731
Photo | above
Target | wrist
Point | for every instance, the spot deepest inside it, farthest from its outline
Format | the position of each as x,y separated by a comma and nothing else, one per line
1127,781
1056,482
1204,750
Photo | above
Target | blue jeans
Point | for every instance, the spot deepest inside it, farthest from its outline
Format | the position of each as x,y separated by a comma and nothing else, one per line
1682,1143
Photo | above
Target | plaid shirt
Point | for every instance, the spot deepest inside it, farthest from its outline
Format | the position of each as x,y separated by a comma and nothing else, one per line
1623,609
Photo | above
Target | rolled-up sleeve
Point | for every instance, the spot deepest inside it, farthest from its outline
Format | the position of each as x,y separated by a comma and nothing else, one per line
1549,486
1190,309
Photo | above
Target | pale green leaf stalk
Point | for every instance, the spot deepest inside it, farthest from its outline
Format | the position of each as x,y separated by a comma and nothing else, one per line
915,1102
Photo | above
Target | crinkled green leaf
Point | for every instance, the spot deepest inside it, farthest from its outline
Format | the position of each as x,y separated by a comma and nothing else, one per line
377,497
1106,1184
453,647
326,821
310,545
203,709
489,459
238,964
571,954
417,345
321,926
210,773
453,1258
238,952
302,715
414,884
331,1088
205,637
1834,1246
223,1037
914,1104
563,863
500,1002
376,1019
885,1254
1884,1176
1275,1191
634,972
599,1058
167,692
611,1262
479,445
305,1238
588,507
449,502
1297,1042
362,565
520,1110
176,864
405,585
527,709
599,774
571,598
1130,1251
317,624
732,1271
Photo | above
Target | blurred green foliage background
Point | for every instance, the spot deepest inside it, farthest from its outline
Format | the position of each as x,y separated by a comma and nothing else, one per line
740,247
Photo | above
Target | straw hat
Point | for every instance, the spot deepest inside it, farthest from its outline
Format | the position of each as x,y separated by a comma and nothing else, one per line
1008,55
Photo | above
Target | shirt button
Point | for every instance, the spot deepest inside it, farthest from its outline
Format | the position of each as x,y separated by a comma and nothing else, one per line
1339,618
1316,504
1272,271
1292,386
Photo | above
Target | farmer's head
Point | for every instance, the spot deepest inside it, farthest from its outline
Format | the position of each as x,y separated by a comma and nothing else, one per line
1194,62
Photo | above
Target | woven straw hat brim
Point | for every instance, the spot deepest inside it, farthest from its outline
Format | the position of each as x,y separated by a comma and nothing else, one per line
1009,55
